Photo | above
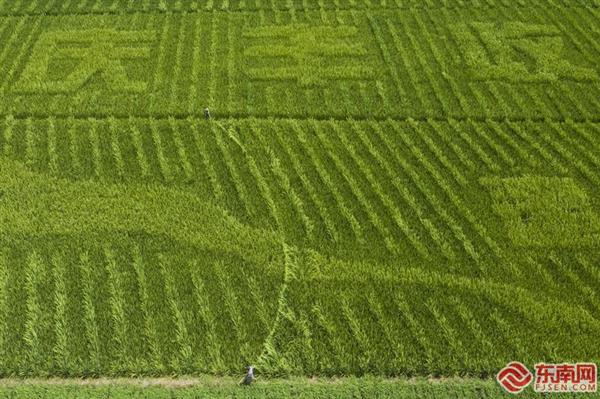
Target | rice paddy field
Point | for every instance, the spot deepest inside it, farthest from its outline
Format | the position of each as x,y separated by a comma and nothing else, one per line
388,188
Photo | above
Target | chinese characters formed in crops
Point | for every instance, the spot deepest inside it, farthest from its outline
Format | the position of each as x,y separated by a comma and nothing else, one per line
83,55
308,55
517,52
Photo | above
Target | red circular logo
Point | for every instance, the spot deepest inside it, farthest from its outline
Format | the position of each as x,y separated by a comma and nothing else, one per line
514,377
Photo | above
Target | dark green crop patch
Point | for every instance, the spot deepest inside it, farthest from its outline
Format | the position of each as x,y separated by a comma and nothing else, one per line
545,211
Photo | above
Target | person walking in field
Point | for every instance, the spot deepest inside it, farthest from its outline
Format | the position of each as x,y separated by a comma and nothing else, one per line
206,113
249,377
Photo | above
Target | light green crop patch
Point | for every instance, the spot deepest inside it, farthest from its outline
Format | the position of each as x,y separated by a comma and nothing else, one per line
517,52
316,54
89,53
544,211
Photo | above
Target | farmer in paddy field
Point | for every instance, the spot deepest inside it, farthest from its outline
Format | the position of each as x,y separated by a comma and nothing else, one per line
249,377
206,113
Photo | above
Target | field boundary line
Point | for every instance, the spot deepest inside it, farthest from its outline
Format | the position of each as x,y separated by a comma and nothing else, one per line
275,117
173,10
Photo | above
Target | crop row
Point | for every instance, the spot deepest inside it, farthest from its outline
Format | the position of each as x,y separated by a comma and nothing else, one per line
132,307
426,63
142,305
356,318
11,7
420,37
367,189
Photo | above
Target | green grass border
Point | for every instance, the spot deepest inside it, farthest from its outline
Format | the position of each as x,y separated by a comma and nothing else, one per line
227,387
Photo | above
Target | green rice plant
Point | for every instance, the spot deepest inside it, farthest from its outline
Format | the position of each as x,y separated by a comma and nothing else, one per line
308,224
585,131
150,327
30,150
195,73
15,38
542,272
74,158
428,104
518,98
576,281
231,65
445,101
117,154
54,160
452,223
165,168
209,321
524,156
522,130
388,58
361,338
392,208
270,357
212,85
530,206
456,173
439,130
95,145
158,77
35,317
388,329
233,311
139,239
4,25
498,148
487,351
417,332
249,207
502,94
201,147
357,190
560,23
458,204
326,178
569,156
458,359
415,178
510,339
308,341
61,346
263,185
182,360
407,195
7,134
324,213
174,97
587,265
439,57
187,167
481,154
117,308
66,4
4,321
141,157
259,303
334,338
